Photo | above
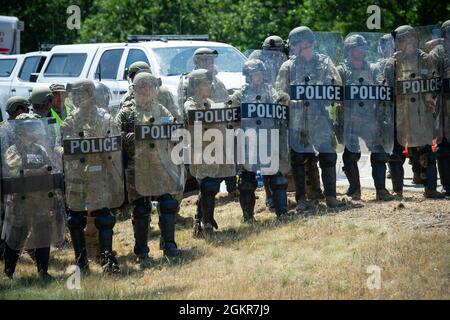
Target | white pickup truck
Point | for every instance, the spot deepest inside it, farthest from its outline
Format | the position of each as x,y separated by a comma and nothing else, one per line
18,75
168,57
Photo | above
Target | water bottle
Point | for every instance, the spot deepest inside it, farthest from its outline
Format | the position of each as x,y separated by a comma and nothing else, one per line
259,179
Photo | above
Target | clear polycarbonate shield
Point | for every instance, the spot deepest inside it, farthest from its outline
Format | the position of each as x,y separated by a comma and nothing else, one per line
316,93
368,96
418,87
210,149
442,51
157,166
272,59
92,160
32,185
263,143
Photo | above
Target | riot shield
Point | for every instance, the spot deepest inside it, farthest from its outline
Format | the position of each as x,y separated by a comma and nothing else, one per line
272,60
210,149
418,86
263,139
32,184
368,97
443,53
92,160
315,90
156,172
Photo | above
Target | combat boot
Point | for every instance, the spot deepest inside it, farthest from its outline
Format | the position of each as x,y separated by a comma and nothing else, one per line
109,263
42,256
384,195
302,204
197,230
332,202
433,194
167,226
185,221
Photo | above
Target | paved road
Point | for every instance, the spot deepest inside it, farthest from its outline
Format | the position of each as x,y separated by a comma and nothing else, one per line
365,172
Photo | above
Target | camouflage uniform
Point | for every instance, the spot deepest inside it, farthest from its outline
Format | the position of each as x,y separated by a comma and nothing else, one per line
322,68
94,181
32,220
362,120
415,112
127,117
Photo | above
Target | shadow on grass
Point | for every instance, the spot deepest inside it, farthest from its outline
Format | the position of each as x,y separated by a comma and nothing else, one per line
129,265
235,234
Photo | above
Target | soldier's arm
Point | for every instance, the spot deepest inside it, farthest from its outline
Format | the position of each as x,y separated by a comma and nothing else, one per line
221,90
282,83
235,99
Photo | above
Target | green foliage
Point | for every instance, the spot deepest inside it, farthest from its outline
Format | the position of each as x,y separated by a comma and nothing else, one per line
243,23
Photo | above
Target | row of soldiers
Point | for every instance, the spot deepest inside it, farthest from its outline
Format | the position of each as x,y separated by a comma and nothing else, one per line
60,166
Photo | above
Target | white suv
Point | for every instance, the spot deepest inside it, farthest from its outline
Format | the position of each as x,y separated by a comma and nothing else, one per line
168,57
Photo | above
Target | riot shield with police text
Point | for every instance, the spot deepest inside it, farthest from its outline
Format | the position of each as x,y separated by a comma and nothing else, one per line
417,86
92,160
210,149
157,166
315,90
32,184
263,143
368,96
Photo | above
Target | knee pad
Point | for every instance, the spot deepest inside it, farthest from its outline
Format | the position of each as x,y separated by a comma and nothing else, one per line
141,208
278,182
105,220
426,159
350,156
443,150
327,160
246,184
298,159
379,158
168,205
210,186
76,220
397,158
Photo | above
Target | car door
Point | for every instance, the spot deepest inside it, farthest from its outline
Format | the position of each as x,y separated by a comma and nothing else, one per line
132,55
8,69
21,83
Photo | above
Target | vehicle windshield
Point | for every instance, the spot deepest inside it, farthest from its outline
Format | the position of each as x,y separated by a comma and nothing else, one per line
176,61
65,65
6,67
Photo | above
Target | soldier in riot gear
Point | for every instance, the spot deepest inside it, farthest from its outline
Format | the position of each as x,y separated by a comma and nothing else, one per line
92,162
208,175
310,127
442,51
368,116
386,48
204,58
258,91
417,91
16,105
41,99
150,170
30,183
165,97
102,96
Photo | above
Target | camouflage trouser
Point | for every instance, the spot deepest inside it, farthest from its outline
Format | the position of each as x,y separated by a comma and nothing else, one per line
312,178
130,186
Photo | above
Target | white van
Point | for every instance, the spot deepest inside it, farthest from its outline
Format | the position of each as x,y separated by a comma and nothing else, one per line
168,57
